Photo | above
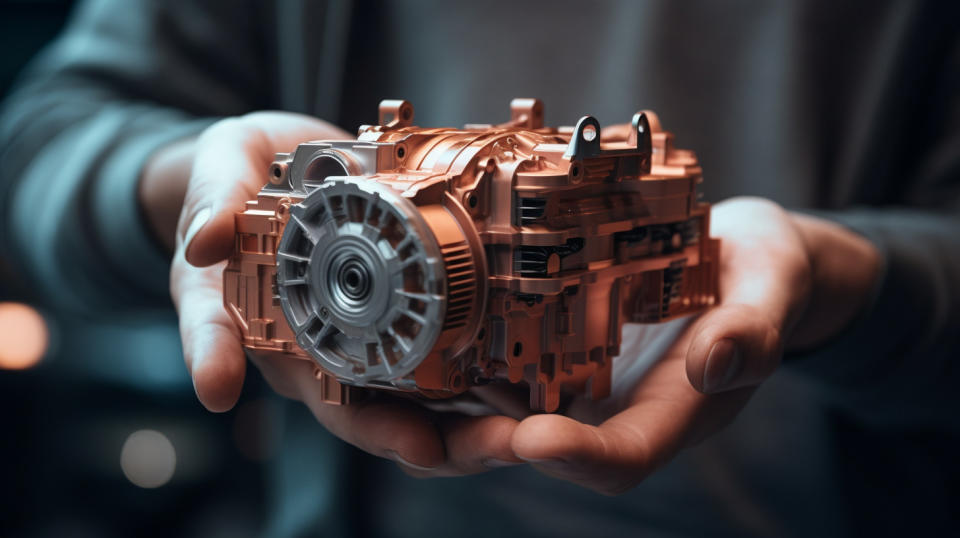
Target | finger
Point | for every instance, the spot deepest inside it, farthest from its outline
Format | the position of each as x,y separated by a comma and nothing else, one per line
478,444
474,445
563,448
387,427
211,342
231,165
398,431
619,453
764,283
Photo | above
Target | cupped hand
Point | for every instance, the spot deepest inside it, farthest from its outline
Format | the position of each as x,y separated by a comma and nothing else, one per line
228,166
786,280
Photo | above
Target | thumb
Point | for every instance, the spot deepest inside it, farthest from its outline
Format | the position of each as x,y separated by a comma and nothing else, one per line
764,285
230,168
734,346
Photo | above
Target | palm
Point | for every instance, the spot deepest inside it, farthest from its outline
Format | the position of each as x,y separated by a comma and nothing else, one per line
655,409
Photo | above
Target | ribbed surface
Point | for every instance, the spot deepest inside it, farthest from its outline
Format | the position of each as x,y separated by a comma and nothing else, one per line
461,283
530,210
531,261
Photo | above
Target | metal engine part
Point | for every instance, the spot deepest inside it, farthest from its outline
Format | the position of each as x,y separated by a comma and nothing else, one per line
430,260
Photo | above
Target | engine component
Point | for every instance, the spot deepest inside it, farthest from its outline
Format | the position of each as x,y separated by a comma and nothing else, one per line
429,260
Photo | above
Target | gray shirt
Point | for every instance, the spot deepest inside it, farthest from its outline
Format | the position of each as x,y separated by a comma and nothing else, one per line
850,110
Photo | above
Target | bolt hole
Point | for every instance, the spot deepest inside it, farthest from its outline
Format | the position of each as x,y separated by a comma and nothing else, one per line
472,201
406,113
517,349
589,133
277,172
575,170
401,152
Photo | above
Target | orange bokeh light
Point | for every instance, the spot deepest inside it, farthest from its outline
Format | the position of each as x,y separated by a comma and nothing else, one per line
23,336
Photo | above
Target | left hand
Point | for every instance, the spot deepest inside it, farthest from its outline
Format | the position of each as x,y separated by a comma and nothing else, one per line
205,181
786,280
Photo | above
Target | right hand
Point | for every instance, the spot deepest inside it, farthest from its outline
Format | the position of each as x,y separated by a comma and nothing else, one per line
229,164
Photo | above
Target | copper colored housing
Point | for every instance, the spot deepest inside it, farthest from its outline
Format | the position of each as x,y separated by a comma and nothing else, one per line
429,260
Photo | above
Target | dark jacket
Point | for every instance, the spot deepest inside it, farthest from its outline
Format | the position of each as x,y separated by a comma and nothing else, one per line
850,110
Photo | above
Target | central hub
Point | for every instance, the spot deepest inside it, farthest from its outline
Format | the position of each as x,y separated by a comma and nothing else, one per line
349,276
361,281
353,280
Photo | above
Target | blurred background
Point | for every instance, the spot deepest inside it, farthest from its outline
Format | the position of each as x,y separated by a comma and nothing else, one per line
100,444
103,435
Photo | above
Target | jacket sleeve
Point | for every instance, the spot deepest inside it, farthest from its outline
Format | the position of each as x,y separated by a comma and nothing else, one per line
899,364
122,80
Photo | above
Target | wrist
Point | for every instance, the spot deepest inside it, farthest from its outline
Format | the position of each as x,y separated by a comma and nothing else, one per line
844,269
162,186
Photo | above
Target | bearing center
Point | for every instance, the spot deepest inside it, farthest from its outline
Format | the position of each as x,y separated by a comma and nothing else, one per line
353,279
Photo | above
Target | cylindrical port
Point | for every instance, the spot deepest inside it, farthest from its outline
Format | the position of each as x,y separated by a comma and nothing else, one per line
323,166
278,173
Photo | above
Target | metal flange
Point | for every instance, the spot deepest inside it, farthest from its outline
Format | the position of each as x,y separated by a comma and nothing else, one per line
361,281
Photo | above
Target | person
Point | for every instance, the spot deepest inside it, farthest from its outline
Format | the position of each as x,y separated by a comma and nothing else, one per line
818,397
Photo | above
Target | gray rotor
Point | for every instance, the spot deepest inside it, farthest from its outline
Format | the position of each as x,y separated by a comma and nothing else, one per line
361,281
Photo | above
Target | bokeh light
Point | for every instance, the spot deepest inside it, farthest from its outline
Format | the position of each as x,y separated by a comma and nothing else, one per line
148,458
24,336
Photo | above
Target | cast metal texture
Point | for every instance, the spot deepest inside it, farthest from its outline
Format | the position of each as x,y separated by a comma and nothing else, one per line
428,260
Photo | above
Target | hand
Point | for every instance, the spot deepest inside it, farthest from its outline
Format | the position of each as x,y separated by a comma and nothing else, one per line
786,280
226,167
769,274
211,178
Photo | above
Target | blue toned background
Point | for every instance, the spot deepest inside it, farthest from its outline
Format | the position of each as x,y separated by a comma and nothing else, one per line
71,458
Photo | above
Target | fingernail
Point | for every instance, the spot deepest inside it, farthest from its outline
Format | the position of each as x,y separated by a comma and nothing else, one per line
723,365
196,224
495,463
392,454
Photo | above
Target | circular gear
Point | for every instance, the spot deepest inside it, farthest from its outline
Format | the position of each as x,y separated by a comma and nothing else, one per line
361,281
